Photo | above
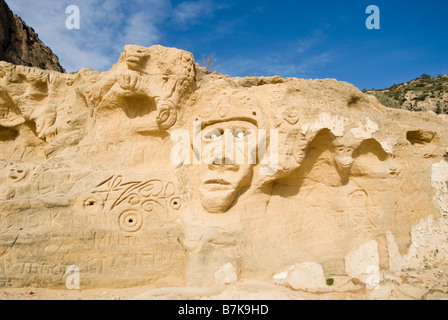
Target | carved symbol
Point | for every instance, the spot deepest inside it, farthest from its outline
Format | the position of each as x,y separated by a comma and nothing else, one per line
130,221
137,191
358,198
176,203
365,216
17,174
149,205
194,97
93,205
291,115
207,113
53,222
92,202
223,112
170,189
277,94
132,200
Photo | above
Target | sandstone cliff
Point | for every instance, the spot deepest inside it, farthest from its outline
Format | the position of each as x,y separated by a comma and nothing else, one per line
121,176
20,45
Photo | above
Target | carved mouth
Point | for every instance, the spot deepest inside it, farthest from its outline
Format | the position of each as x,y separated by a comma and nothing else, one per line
393,173
217,181
344,164
133,60
133,63
216,185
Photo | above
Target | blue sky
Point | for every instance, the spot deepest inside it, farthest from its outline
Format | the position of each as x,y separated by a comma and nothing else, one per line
305,39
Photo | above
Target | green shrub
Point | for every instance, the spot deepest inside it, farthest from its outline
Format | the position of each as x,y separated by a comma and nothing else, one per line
388,101
425,76
422,97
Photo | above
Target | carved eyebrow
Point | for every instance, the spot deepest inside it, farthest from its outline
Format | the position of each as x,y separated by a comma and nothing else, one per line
210,131
242,119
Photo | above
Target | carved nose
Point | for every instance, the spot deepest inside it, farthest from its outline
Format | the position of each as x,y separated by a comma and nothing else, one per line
223,164
394,170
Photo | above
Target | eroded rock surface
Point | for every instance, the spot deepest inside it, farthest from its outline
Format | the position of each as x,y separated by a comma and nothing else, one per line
124,175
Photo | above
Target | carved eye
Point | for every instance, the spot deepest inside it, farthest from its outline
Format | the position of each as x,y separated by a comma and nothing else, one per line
340,149
240,134
90,202
164,116
349,150
213,135
93,203
185,84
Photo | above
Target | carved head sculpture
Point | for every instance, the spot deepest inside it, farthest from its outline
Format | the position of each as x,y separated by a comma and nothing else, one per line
145,80
10,114
44,117
178,80
344,147
17,173
136,57
221,177
228,139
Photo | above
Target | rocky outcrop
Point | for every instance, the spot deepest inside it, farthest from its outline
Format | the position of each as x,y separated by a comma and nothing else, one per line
20,45
158,173
424,93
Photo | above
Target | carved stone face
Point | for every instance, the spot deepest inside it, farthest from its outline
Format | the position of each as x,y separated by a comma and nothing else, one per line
135,57
221,182
44,117
344,154
17,173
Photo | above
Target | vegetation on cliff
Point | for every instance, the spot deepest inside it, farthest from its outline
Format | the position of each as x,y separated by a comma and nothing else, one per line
421,94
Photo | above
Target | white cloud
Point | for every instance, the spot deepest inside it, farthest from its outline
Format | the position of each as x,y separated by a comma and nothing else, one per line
307,43
272,64
140,30
301,57
190,12
106,27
